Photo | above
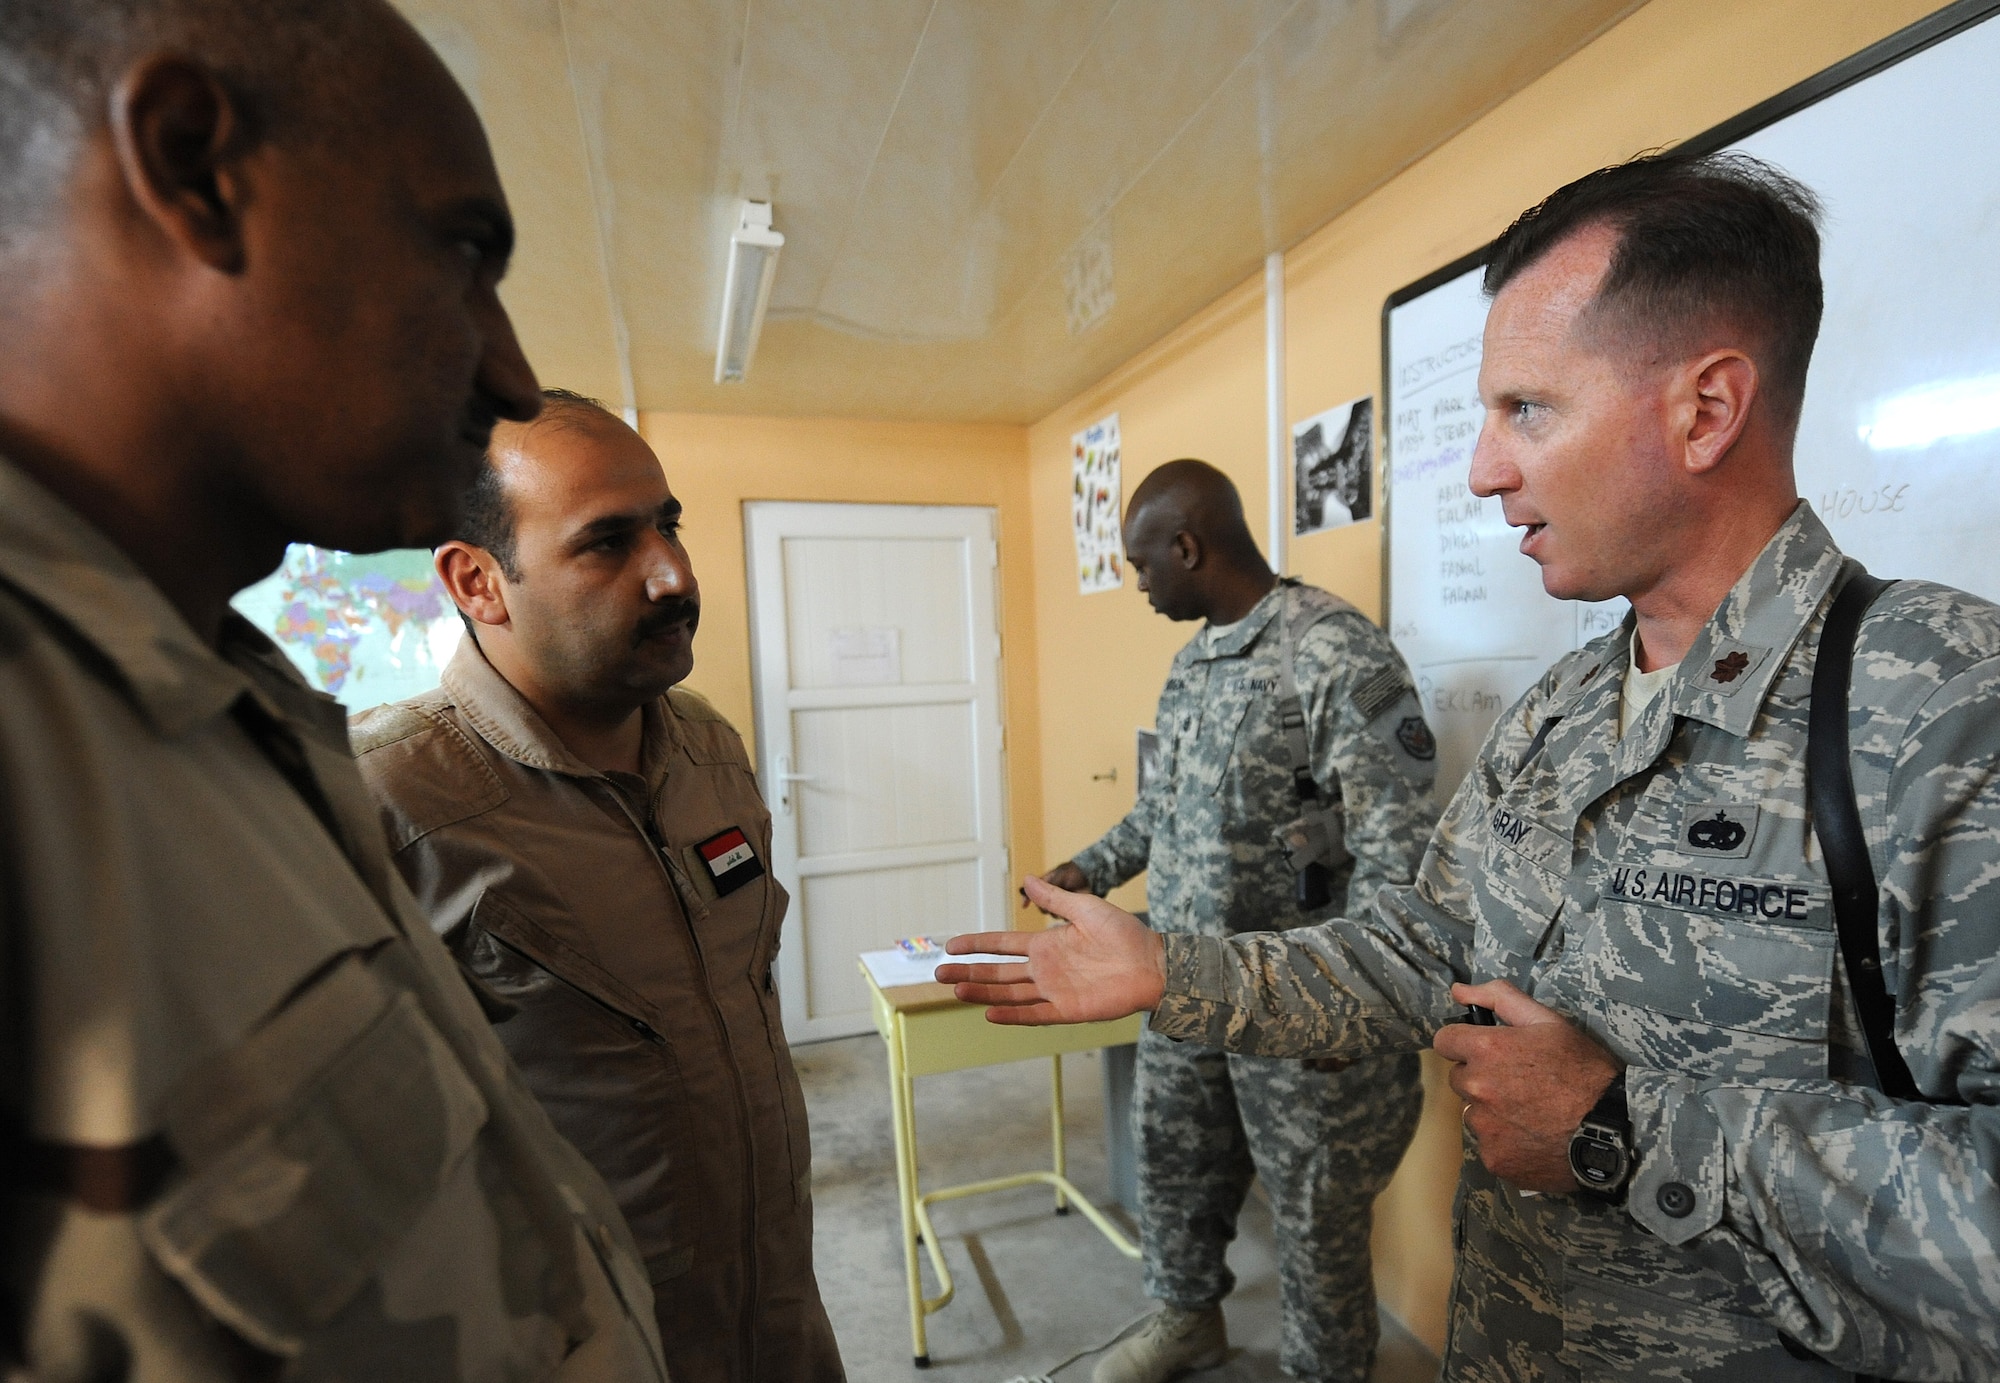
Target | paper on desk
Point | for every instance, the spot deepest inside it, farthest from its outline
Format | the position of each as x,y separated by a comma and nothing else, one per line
891,968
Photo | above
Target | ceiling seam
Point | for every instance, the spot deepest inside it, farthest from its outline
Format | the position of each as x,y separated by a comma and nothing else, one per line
621,336
868,175
1083,55
732,136
1302,241
1130,183
1144,357
819,314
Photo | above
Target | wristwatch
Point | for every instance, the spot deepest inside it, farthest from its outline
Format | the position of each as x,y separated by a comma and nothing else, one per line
1600,1151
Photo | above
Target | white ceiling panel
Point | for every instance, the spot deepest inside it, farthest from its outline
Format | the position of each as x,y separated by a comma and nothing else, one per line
987,204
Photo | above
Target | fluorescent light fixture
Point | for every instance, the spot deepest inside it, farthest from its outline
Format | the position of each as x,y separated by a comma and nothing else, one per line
1934,413
746,292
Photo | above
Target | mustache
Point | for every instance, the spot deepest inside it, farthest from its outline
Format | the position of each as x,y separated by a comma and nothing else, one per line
683,611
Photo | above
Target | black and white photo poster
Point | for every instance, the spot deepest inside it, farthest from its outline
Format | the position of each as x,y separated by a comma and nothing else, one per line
1333,467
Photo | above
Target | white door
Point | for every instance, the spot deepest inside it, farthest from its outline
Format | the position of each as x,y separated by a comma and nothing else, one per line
876,658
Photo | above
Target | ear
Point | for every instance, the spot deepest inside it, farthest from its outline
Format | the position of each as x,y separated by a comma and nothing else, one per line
1720,390
1187,550
180,137
473,580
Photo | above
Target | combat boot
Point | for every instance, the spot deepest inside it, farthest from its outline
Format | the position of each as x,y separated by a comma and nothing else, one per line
1171,1342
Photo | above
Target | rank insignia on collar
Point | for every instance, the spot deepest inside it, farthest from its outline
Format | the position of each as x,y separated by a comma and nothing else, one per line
1735,666
731,861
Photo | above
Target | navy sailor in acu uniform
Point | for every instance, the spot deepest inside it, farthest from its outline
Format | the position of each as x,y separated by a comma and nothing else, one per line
588,838
1714,1131
1294,782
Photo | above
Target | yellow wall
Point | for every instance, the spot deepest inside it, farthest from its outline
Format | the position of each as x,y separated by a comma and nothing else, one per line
716,463
1084,671
1668,72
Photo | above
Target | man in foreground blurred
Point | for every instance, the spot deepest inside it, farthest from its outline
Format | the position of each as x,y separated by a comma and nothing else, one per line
588,838
252,1118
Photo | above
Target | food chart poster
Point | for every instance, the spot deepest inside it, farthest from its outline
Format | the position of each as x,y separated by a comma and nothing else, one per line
1096,497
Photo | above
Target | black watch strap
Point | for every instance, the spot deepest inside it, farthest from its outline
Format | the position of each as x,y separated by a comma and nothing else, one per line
1611,1108
1600,1151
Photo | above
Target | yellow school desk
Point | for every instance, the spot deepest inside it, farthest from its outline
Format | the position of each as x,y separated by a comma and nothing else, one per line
928,1032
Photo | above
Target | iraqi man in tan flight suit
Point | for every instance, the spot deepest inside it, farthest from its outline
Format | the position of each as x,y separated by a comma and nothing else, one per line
589,840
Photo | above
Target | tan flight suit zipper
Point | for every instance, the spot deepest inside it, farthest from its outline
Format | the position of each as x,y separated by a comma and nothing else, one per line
746,1326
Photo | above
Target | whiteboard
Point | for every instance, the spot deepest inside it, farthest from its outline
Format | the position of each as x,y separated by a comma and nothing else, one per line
1466,609
1899,444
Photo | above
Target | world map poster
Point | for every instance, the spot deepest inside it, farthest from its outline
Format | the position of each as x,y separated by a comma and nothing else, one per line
367,629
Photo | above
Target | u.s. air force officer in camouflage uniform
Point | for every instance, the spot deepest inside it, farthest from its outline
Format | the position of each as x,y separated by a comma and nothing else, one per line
253,1124
1631,877
1214,832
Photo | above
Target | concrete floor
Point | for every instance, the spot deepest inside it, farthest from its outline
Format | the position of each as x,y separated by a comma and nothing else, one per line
1033,1288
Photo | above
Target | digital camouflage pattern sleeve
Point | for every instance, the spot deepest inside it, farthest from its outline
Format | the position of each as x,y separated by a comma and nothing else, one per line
1369,739
1208,826
1664,890
1378,982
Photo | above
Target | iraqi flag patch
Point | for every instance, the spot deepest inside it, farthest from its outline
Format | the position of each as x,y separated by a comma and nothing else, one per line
730,860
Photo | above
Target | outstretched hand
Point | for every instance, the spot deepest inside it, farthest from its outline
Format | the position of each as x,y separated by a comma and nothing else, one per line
1526,1084
1099,963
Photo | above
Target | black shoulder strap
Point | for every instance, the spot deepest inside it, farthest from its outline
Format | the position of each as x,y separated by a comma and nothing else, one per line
1837,823
1291,709
1534,745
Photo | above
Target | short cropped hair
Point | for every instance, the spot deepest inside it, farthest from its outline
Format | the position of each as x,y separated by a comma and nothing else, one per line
285,60
1703,240
567,408
488,520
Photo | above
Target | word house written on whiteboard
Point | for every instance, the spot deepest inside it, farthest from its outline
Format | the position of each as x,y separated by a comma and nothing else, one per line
1899,445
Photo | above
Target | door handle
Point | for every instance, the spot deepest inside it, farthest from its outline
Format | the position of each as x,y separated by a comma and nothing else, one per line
786,778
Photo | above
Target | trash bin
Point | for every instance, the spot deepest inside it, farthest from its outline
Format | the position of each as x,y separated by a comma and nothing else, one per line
1121,1144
